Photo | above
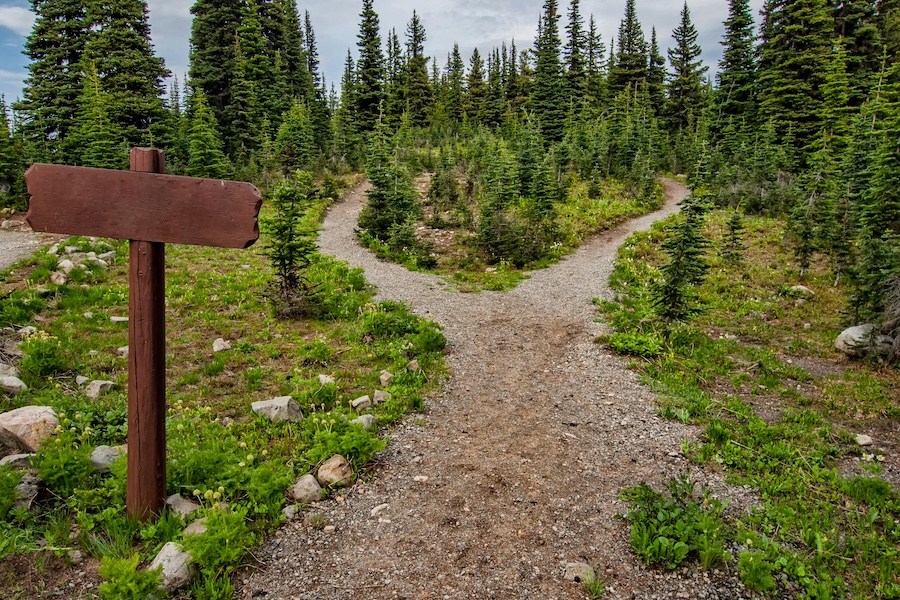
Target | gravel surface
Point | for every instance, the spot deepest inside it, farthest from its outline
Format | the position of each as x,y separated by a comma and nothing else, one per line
515,468
17,243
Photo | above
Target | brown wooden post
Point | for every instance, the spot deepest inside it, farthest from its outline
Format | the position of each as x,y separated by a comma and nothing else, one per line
146,488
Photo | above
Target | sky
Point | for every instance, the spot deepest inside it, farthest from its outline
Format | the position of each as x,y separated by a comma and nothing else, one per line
471,23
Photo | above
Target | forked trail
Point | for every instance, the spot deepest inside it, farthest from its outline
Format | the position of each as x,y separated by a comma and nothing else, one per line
525,451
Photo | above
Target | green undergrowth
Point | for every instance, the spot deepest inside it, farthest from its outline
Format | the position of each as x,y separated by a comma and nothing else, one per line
778,408
219,453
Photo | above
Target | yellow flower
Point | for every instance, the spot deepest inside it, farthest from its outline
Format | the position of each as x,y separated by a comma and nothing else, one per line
242,464
208,495
196,492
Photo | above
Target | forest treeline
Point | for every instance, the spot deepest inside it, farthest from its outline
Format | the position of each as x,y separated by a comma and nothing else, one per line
801,119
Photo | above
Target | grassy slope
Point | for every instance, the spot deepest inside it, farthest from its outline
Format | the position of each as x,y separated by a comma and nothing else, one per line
779,406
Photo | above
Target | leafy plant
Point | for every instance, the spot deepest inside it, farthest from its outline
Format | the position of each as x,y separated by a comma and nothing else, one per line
9,479
43,355
125,582
634,343
63,461
755,571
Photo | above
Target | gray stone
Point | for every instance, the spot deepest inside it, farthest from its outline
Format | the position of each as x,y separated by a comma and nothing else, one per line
58,278
12,385
81,380
413,366
28,489
335,472
8,224
386,378
122,352
381,397
289,512
26,331
863,340
65,265
307,490
71,249
103,456
118,319
17,461
802,290
283,408
30,424
181,505
54,249
198,527
221,345
361,403
579,572
107,256
366,421
97,388
88,315
75,557
8,371
326,380
863,440
175,565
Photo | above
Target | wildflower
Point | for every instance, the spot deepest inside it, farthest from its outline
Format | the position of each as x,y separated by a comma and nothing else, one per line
58,441
243,444
242,464
221,490
196,492
250,458
208,495
180,427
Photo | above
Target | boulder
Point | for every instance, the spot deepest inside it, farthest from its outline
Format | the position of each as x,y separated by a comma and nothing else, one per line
103,456
107,256
366,421
175,566
10,444
81,380
386,378
8,371
221,345
12,385
283,408
30,424
97,388
58,278
380,397
335,472
17,461
198,527
307,490
325,380
27,491
26,331
863,340
181,505
361,403
863,439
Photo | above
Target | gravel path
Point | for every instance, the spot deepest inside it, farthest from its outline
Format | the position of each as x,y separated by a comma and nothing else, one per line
16,245
525,451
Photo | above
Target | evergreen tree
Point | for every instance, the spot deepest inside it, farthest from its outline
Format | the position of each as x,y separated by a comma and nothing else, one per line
128,70
495,101
856,25
369,90
262,70
12,164
391,198
476,88
630,62
95,139
575,53
686,81
318,101
295,142
418,86
736,79
50,96
656,73
454,91
596,64
548,93
888,21
206,158
244,110
294,53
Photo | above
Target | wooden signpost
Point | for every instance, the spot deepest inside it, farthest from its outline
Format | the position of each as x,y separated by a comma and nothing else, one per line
149,209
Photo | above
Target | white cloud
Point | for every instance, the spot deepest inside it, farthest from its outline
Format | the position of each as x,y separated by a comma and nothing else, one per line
16,18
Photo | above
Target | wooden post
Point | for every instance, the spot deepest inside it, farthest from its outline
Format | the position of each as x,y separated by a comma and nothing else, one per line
146,487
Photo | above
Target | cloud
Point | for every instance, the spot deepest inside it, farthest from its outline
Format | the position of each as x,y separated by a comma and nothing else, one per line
16,18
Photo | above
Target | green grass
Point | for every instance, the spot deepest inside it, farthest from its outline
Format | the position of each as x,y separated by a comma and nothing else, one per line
785,430
218,450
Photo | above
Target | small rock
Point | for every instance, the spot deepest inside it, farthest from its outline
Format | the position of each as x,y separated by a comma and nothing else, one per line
361,403
81,380
176,567
26,331
802,290
181,505
807,326
375,511
289,512
326,380
198,527
27,490
118,319
75,557
12,385
307,490
283,408
54,249
58,278
863,440
30,424
71,249
8,371
366,421
413,366
221,345
65,265
88,315
17,461
386,378
97,388
107,256
8,224
328,529
103,456
579,572
420,478
122,352
335,472
380,397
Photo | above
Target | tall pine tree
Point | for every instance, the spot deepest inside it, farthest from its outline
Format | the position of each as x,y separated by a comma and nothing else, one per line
369,89
686,81
548,92
630,65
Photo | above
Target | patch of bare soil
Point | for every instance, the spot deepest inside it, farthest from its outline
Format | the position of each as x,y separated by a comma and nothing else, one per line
45,575
518,463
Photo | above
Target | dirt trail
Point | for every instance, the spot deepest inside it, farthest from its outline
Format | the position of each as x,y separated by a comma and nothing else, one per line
525,451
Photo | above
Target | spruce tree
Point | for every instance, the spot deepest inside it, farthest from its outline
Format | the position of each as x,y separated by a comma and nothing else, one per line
129,72
736,79
596,64
97,141
454,91
575,52
260,70
295,142
418,87
54,83
391,198
630,64
294,53
12,164
548,92
495,101
856,26
656,73
369,89
318,101
244,110
686,246
206,157
686,82
476,88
